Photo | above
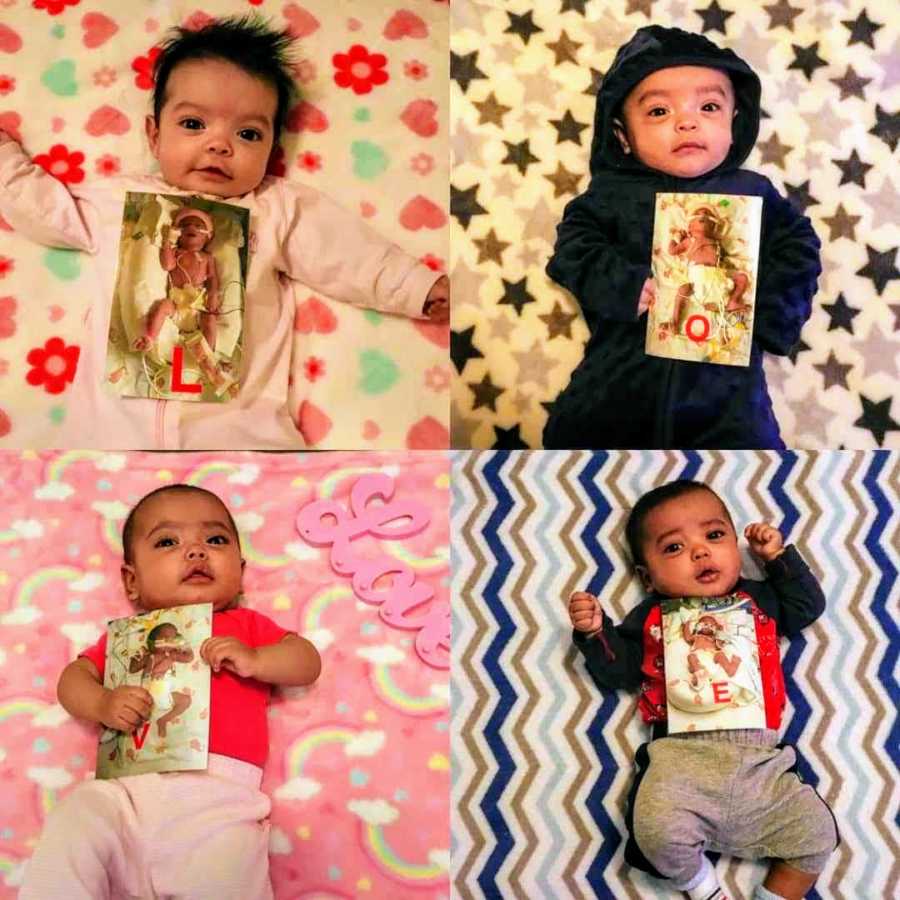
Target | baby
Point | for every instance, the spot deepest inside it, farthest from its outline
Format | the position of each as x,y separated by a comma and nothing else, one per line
701,247
185,834
192,299
675,113
220,100
730,790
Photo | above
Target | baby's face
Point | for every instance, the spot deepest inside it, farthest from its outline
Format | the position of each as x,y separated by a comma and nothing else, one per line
183,551
690,547
678,120
193,233
215,130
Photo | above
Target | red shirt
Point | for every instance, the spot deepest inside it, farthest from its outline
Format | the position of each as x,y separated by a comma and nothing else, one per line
237,714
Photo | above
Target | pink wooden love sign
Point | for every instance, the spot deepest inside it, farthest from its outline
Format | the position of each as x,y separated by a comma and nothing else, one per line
384,581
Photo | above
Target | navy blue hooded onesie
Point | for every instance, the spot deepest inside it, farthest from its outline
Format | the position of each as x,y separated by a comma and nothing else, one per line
619,397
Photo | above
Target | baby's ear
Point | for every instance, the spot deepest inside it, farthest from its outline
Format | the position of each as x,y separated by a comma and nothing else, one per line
619,131
643,573
129,582
151,129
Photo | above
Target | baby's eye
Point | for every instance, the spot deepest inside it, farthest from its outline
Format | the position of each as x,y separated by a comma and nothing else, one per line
191,123
715,534
671,548
218,539
657,111
250,134
165,542
711,106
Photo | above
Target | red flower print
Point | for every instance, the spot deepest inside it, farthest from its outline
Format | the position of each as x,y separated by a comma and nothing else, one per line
5,424
310,161
104,76
256,2
314,368
415,70
7,311
62,164
53,365
143,65
437,378
435,263
7,84
107,164
6,265
54,7
422,163
276,164
359,70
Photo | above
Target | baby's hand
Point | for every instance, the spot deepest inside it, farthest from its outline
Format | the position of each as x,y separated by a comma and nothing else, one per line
124,708
648,296
437,303
584,612
765,541
230,653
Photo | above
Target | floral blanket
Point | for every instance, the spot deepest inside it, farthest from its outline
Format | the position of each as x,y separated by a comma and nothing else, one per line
370,131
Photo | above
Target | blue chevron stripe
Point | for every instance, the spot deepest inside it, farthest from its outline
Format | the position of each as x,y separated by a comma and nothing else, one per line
846,699
494,480
604,570
888,578
693,462
546,487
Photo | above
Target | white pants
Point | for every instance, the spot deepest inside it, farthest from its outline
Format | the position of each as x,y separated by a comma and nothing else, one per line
190,835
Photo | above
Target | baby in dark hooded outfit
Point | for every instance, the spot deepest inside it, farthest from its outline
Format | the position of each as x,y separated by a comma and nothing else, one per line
675,114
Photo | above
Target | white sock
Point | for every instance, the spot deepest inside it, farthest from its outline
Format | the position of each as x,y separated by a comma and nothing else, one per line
704,885
762,893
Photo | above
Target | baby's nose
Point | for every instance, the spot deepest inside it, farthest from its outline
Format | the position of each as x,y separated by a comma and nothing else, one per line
196,551
686,122
699,551
218,144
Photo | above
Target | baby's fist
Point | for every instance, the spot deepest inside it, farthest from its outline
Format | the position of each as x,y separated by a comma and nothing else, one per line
437,303
584,612
765,541
647,297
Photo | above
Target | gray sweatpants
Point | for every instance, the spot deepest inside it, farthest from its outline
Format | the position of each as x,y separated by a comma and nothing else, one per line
731,792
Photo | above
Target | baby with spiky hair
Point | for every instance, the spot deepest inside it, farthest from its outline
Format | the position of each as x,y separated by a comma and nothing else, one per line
220,100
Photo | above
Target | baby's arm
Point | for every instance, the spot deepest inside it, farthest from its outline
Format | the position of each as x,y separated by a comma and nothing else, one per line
38,205
588,260
613,653
213,302
82,695
791,594
788,270
336,253
292,661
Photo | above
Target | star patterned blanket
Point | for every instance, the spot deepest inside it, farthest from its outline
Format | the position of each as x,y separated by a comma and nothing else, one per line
370,131
524,78
358,767
543,760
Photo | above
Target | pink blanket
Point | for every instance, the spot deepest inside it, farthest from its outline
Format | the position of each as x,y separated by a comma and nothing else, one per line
358,764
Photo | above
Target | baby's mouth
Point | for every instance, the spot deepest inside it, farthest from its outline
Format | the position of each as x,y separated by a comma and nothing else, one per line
198,575
689,147
707,576
214,171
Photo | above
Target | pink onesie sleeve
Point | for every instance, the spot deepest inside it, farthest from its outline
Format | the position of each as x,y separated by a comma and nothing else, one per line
38,205
332,251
